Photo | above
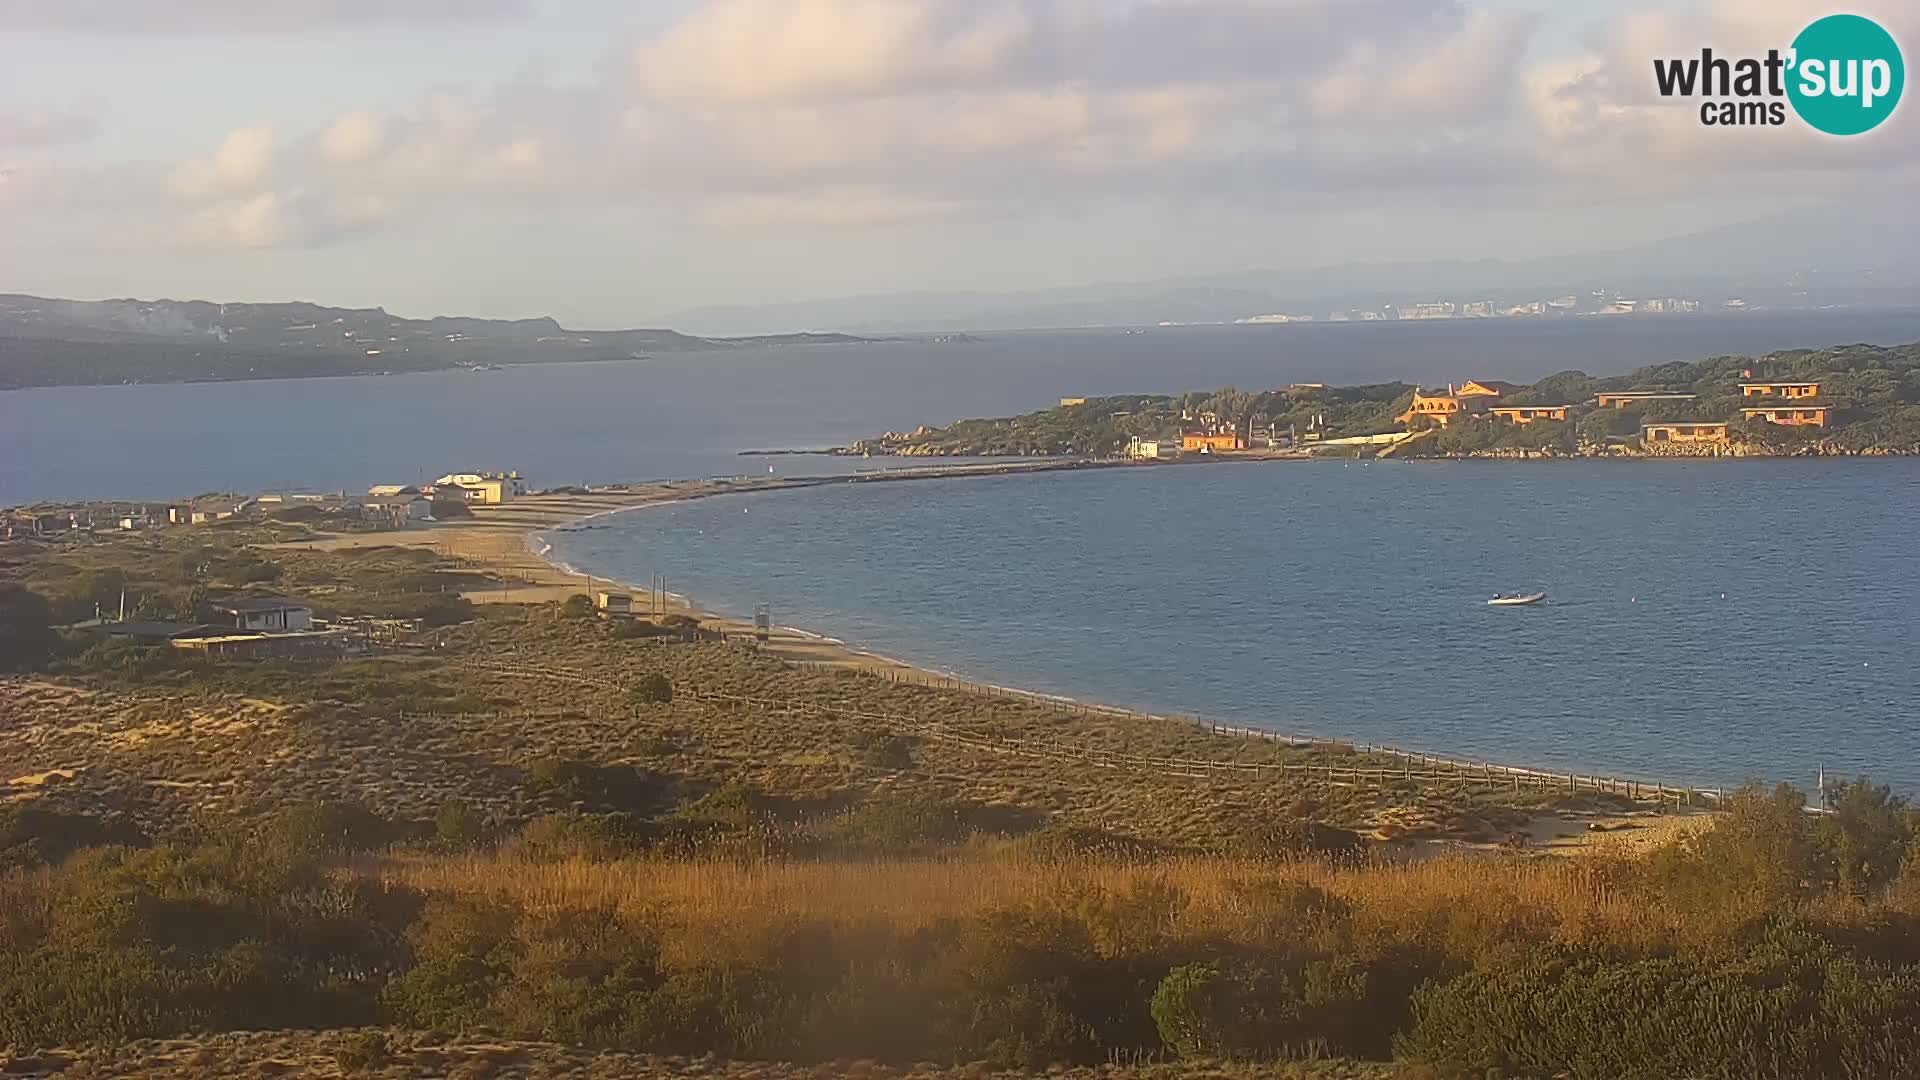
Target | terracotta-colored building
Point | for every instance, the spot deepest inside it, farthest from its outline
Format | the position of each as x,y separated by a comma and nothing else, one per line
1495,388
1620,399
1789,415
1527,414
1684,432
1780,389
1211,442
1433,410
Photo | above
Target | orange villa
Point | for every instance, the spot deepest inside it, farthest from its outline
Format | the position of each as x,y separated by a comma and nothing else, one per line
1434,410
1688,432
1527,414
1789,415
1490,388
1620,399
1780,389
1211,442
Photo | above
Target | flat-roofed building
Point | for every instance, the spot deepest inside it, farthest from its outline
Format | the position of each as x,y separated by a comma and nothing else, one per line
1788,415
1620,399
1681,432
1790,390
1527,414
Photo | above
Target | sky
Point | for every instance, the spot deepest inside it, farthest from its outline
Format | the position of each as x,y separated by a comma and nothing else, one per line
613,163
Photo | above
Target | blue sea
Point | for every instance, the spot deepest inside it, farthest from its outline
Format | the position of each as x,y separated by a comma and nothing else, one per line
687,415
1708,621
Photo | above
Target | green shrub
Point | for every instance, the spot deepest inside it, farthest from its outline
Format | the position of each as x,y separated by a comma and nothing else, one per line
27,640
458,824
1757,857
363,1051
899,822
652,689
463,949
1861,843
599,788
1291,837
584,976
30,836
1783,1009
587,836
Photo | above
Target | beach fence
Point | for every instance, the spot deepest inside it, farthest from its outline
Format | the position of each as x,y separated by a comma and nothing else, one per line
1341,761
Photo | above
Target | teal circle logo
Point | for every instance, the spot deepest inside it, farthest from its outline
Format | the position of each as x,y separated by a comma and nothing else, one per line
1846,75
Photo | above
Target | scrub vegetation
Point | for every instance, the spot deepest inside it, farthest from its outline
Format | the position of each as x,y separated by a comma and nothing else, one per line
525,842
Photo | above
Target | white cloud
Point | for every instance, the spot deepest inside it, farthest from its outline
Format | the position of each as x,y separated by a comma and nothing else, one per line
1599,120
254,222
240,164
244,16
788,50
353,138
41,128
850,112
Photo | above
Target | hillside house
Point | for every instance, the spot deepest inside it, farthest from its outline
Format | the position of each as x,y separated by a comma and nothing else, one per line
293,645
399,511
1790,390
1489,388
1070,402
1789,415
612,604
1436,410
1620,399
1679,433
1527,414
1212,442
154,633
205,513
487,489
1140,449
268,613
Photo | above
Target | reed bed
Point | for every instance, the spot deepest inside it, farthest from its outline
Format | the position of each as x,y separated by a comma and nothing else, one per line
1454,902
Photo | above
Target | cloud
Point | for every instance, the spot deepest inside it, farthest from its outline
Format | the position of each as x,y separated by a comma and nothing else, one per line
239,16
841,208
786,50
859,113
39,129
1597,116
240,164
354,138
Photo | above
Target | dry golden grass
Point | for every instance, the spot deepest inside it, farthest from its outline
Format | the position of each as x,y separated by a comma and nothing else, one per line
463,718
466,718
1456,903
404,1055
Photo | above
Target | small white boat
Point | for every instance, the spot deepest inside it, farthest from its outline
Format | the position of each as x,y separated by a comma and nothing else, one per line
1516,601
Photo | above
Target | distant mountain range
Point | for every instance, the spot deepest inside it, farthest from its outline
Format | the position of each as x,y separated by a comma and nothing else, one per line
1849,255
50,342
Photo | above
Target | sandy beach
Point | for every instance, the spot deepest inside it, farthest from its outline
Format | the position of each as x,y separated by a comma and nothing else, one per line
501,540
504,542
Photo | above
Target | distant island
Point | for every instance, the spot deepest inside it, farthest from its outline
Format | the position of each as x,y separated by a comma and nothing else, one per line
1843,400
50,342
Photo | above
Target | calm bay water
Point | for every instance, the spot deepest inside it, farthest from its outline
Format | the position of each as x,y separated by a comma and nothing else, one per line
1709,621
1318,598
688,416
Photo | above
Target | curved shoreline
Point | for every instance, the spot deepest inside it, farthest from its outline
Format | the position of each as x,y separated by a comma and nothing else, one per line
814,649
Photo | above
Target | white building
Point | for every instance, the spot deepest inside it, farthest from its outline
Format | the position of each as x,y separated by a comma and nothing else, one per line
264,613
489,489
